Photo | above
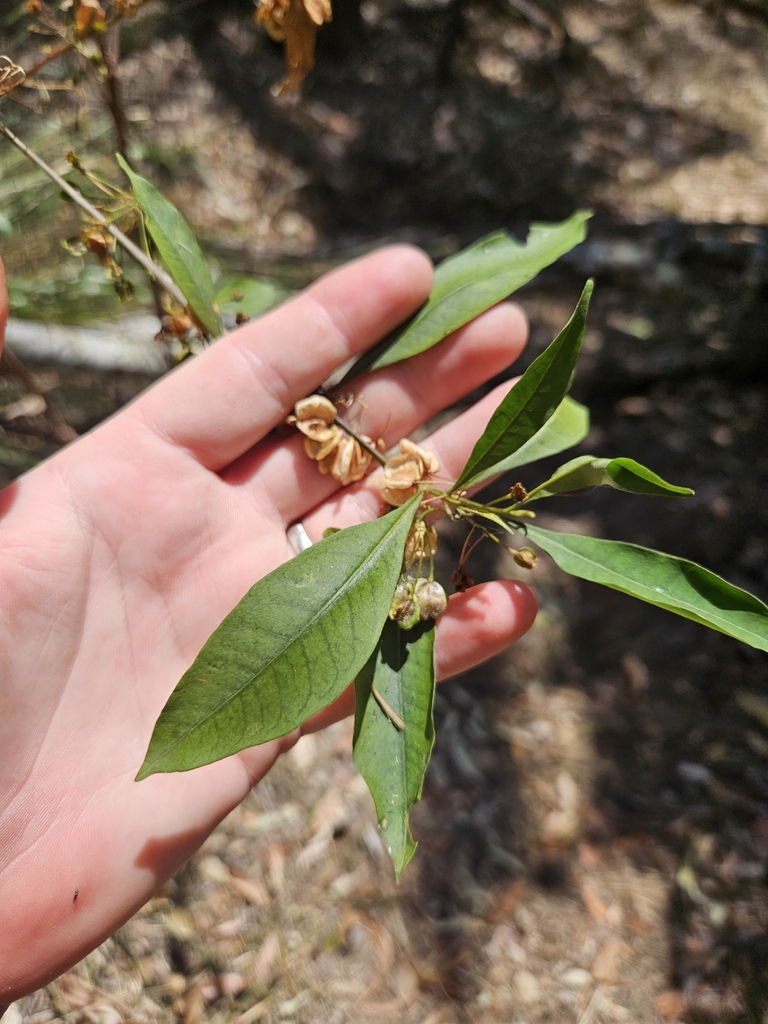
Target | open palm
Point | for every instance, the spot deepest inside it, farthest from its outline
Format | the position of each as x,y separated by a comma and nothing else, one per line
121,555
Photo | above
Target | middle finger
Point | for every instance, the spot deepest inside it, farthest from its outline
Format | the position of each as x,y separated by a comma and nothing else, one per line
389,404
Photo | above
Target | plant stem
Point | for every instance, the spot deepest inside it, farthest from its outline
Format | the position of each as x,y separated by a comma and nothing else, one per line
109,46
64,48
60,429
155,272
363,443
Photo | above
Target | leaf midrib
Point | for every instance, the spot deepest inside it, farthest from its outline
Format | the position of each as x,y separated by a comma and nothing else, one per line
484,455
469,284
336,597
688,607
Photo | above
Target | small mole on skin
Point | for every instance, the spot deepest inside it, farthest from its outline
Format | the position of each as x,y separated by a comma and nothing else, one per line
77,893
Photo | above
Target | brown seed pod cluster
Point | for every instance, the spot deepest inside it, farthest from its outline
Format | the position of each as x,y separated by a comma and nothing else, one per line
324,441
405,473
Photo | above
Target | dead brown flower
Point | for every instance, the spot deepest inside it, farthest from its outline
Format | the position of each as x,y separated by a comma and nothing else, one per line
404,473
11,75
295,23
324,441
89,16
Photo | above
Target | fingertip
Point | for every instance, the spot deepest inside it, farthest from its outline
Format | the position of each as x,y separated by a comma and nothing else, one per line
482,622
403,267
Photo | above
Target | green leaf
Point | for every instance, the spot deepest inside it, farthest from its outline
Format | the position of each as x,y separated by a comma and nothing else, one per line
392,760
675,584
530,403
250,295
628,475
178,248
567,425
622,474
472,281
289,648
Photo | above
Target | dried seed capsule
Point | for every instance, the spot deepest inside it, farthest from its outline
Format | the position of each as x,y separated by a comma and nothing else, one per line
430,597
525,557
404,608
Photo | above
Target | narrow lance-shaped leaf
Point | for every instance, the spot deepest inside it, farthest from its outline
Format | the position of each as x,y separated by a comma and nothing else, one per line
393,760
622,474
567,425
667,581
530,403
289,648
472,281
179,249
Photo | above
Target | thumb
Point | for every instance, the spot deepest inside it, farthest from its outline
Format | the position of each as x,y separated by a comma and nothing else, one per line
3,305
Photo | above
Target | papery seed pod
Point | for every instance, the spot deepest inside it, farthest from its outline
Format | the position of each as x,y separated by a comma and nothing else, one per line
317,429
321,449
315,407
351,461
431,598
429,460
395,494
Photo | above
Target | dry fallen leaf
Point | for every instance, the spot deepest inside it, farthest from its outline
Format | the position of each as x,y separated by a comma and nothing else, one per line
670,1004
606,965
597,909
253,891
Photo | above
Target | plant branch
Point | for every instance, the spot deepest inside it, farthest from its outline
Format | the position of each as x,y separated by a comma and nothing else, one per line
363,443
108,45
64,48
60,429
155,272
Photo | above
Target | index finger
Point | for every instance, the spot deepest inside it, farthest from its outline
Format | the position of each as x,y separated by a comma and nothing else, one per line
221,403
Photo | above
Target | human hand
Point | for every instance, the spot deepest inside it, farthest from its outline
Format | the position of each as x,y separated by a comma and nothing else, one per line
123,553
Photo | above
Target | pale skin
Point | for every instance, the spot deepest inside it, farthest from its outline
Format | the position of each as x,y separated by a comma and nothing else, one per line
120,556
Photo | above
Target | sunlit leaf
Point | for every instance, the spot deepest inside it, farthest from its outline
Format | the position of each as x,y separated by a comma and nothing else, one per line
622,474
289,648
472,281
249,295
669,582
530,403
566,427
393,760
178,248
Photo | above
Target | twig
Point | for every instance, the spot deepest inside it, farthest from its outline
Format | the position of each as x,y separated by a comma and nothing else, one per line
155,272
361,441
108,45
394,718
587,1015
60,429
64,48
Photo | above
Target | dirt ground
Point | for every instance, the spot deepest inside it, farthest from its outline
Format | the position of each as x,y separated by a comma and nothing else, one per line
593,838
